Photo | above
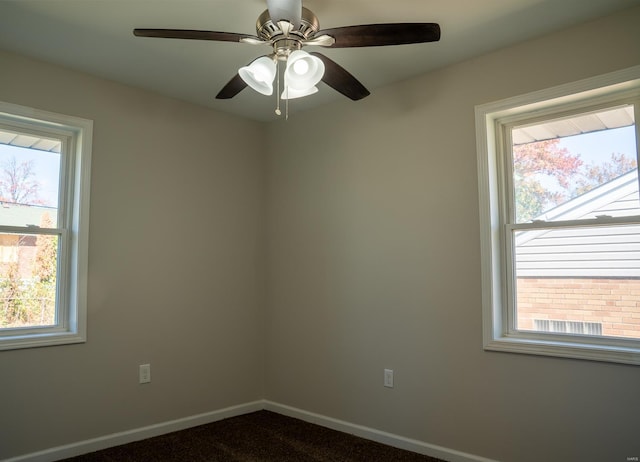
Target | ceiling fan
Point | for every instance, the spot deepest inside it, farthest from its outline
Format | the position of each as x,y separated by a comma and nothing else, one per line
287,27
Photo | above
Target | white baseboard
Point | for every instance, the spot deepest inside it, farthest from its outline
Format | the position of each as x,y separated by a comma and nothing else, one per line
116,439
372,434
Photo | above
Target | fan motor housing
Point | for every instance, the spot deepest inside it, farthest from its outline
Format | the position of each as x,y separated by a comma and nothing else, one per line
267,30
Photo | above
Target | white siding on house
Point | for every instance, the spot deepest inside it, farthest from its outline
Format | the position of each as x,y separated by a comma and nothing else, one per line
591,251
625,206
582,252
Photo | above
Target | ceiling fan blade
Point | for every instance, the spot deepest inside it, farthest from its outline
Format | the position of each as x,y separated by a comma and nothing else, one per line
232,88
376,35
285,10
338,78
193,34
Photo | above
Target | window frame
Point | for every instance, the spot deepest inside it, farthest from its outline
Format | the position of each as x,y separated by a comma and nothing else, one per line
493,131
72,227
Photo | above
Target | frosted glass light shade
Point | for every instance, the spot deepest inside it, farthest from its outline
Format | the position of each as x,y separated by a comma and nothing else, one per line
290,93
303,71
259,75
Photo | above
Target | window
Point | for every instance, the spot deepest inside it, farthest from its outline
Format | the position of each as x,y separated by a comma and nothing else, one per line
560,220
44,211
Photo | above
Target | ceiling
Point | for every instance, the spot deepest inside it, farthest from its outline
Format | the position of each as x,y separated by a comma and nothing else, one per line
95,36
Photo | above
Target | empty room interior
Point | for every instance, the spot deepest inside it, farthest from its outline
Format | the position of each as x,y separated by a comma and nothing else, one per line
257,261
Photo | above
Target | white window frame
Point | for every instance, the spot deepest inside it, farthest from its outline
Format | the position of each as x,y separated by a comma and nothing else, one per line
493,122
72,228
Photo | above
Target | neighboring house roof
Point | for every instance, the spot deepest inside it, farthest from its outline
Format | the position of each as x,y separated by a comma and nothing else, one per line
586,251
575,125
31,142
24,215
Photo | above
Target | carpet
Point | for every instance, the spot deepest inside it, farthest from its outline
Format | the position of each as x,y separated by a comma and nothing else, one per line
261,436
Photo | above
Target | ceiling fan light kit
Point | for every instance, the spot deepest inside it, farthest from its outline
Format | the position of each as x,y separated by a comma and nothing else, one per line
286,26
290,93
304,71
259,75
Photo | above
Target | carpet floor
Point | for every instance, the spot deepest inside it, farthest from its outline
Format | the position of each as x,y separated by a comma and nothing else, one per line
261,436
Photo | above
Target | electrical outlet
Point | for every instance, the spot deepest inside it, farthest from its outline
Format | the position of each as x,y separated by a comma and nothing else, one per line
144,373
388,378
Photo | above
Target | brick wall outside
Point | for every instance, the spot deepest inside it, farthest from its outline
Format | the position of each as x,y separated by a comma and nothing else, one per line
613,302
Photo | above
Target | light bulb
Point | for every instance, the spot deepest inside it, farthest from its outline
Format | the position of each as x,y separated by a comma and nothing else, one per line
301,67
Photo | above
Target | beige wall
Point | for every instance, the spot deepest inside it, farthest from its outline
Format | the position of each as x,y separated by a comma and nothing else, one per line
175,267
374,262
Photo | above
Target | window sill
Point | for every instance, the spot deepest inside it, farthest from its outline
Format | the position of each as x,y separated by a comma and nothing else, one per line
40,340
565,349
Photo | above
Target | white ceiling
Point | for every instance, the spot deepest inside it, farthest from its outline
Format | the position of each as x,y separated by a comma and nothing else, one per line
95,36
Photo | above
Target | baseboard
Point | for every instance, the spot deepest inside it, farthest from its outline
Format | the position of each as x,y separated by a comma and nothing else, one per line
372,434
116,439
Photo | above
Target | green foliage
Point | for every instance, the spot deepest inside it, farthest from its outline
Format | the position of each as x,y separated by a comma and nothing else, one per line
13,309
27,275
534,163
595,175
545,176
46,251
30,301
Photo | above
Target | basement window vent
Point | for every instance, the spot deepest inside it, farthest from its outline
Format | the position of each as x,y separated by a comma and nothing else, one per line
568,327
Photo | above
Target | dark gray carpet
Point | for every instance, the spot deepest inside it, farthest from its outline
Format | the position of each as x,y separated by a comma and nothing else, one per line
261,436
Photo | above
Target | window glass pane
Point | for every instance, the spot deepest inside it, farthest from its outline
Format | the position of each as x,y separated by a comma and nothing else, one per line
576,168
29,179
579,280
28,265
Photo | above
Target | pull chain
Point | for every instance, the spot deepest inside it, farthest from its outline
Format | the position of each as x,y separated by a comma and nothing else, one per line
278,111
